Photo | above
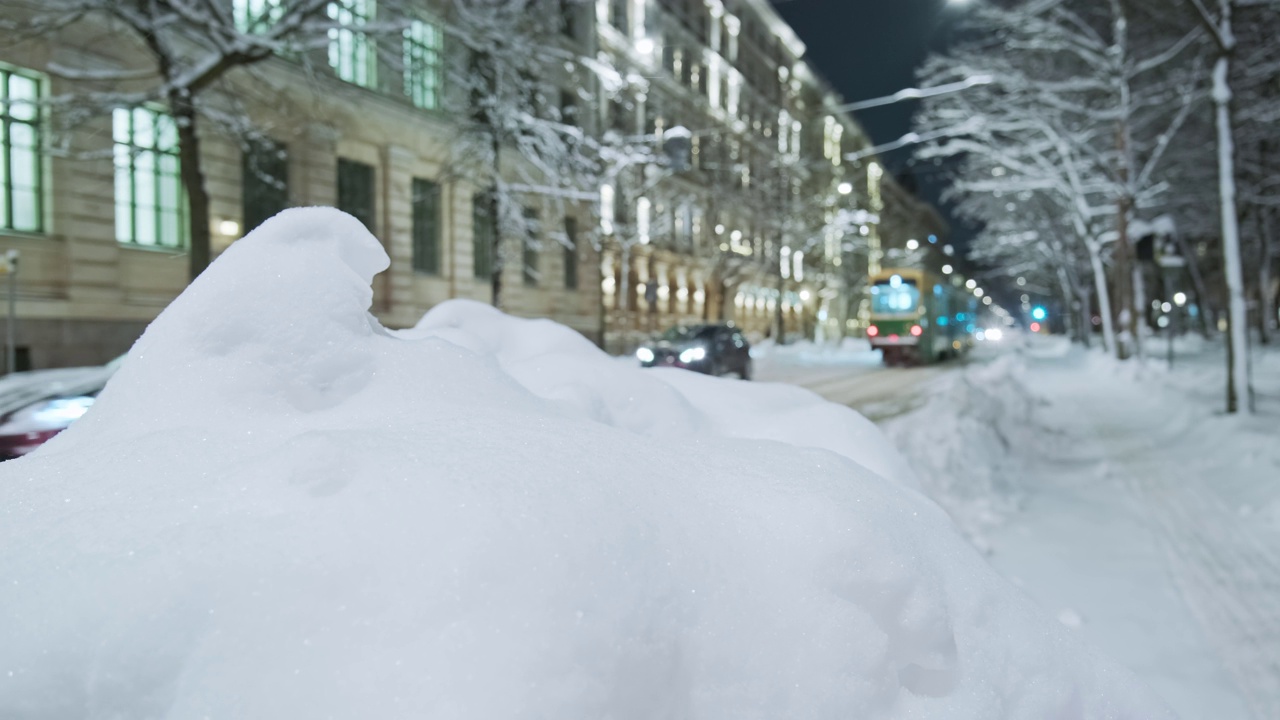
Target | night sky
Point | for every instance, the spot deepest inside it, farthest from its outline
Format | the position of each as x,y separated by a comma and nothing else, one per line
871,48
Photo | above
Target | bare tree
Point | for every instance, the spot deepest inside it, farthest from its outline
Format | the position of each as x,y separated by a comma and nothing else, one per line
1080,106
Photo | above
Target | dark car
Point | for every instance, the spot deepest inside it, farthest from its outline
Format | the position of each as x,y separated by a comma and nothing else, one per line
36,405
710,349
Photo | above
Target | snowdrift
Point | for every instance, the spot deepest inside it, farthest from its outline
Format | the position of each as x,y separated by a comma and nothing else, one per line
967,439
279,509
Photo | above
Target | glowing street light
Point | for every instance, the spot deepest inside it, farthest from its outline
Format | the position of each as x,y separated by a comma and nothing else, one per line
946,269
845,188
971,284
1180,299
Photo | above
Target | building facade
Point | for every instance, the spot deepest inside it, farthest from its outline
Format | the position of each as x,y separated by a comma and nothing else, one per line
762,221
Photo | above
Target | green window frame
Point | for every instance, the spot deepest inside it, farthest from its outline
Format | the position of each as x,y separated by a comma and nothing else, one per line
482,235
264,183
571,253
426,226
352,54
151,204
356,191
256,16
21,162
423,64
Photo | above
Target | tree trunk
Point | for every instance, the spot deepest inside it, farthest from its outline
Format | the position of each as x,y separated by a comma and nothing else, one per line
1086,315
192,174
495,242
1104,298
1068,298
1139,307
1237,316
1266,318
779,322
1126,319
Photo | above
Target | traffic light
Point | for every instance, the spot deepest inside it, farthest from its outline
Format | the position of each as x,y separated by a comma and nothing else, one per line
1039,313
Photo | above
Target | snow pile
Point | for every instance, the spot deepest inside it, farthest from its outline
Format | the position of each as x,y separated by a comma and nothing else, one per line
279,509
965,442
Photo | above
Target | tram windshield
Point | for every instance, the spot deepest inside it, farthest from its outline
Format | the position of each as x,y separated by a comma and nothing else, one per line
895,296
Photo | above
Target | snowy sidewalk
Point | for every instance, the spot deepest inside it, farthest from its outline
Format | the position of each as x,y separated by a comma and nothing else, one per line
1137,527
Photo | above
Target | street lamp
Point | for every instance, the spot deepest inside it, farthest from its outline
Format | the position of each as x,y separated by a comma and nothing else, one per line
845,188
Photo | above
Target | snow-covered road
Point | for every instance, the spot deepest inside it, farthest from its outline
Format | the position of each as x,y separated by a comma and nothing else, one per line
1129,507
857,380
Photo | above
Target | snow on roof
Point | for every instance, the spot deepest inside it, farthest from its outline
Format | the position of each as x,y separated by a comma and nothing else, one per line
277,508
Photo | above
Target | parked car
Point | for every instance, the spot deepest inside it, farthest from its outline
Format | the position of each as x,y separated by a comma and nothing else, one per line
38,404
710,349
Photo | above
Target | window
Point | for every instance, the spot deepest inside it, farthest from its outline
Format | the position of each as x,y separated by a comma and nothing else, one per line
21,169
256,16
355,191
529,247
351,51
422,64
571,253
426,226
569,18
482,235
568,107
896,296
264,181
151,208
618,16
684,226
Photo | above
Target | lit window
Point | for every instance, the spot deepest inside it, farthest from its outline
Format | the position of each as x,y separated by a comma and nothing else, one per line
422,64
351,50
256,16
21,171
642,220
151,207
606,209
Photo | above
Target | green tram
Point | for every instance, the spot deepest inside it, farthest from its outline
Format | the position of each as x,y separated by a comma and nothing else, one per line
918,317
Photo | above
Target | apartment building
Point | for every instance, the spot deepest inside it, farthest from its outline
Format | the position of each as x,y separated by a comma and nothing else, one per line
96,211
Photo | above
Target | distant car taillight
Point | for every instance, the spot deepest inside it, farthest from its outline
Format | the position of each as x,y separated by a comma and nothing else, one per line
873,331
916,330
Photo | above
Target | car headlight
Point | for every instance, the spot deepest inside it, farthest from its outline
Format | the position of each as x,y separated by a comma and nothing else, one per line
52,414
644,355
693,354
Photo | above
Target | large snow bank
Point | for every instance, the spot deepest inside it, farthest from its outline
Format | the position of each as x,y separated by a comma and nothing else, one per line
966,441
279,509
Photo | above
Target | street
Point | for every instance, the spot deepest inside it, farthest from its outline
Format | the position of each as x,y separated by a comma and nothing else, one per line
1132,511
856,379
